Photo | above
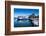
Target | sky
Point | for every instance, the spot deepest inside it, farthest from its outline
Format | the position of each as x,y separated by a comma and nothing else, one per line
25,12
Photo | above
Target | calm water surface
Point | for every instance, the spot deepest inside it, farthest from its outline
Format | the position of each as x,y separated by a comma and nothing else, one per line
23,23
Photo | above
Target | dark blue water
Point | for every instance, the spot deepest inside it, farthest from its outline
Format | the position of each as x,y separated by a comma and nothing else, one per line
23,23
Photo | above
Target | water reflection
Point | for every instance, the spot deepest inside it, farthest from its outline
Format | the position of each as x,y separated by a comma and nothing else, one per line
23,23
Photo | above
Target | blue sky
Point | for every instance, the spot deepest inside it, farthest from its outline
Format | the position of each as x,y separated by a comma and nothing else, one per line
25,12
